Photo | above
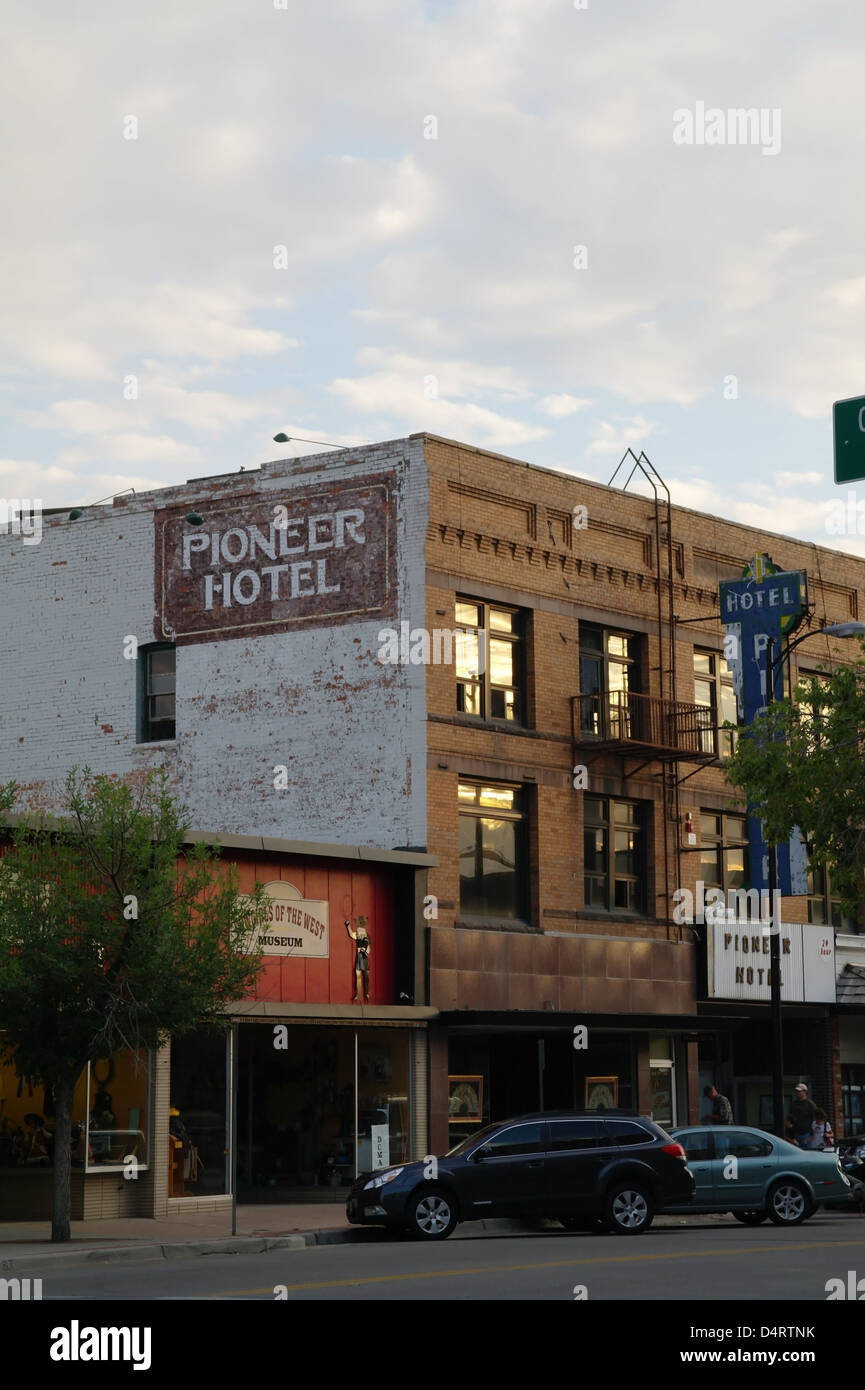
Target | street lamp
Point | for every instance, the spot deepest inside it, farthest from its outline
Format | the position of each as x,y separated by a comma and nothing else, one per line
853,629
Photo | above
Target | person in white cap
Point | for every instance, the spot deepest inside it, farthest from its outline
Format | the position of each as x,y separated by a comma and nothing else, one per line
802,1113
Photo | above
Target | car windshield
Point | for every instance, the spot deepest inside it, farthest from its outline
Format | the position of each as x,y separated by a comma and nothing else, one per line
471,1139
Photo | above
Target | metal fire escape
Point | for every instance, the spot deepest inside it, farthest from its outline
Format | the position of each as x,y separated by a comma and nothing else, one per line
652,729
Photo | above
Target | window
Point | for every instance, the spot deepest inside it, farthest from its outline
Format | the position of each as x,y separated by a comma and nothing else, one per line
489,658
518,1139
824,906
714,690
628,1132
698,1146
492,851
852,1098
156,668
724,858
734,1144
613,855
609,670
814,712
576,1134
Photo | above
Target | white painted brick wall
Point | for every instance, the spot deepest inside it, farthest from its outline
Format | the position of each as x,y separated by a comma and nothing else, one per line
351,731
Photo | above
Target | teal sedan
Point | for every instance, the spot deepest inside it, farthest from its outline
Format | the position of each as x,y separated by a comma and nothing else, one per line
754,1175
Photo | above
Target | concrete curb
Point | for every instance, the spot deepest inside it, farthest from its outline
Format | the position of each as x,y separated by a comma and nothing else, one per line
256,1245
180,1250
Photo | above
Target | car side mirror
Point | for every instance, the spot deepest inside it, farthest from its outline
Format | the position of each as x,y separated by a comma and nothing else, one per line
479,1154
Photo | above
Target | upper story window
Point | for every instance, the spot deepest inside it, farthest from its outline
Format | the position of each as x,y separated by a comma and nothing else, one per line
493,853
609,670
613,855
824,905
157,686
489,661
815,712
714,690
724,856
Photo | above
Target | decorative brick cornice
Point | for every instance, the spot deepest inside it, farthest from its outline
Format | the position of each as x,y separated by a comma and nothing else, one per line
553,559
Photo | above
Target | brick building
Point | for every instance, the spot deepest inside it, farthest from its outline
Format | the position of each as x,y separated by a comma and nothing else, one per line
607,763
506,789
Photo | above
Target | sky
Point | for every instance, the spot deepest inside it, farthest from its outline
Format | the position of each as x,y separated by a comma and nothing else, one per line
515,223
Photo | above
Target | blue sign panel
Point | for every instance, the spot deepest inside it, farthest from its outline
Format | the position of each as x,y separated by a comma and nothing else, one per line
759,611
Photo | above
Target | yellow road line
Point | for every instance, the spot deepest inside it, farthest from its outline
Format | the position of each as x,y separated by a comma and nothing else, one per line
547,1264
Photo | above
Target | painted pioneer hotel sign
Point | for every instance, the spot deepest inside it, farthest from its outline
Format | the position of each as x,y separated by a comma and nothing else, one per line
270,563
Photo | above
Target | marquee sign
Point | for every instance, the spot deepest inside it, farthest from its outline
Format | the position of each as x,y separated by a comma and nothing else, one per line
269,563
296,926
739,962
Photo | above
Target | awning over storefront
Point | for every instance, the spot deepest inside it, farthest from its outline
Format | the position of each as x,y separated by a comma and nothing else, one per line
619,1023
248,1010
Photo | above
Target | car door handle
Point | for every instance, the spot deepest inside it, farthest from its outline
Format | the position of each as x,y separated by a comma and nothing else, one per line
535,1163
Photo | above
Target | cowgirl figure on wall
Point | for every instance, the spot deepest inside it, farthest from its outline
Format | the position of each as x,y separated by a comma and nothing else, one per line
361,960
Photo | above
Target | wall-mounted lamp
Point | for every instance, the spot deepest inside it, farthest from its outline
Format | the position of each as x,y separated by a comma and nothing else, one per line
75,513
194,518
299,439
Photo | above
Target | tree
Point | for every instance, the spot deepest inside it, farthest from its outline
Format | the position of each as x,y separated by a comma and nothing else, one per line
801,764
114,934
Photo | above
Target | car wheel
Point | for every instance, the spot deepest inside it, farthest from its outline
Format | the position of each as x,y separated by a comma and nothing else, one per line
431,1215
630,1209
750,1218
789,1203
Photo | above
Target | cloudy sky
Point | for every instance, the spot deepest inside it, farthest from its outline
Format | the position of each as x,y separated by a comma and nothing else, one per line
351,221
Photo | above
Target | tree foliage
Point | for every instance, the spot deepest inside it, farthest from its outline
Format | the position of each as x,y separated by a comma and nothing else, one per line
801,764
114,934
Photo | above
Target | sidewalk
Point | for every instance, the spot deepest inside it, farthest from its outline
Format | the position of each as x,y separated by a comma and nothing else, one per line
25,1246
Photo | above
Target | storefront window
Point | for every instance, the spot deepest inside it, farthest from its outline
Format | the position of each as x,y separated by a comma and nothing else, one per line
852,1099
382,1098
109,1117
198,1090
298,1108
117,1109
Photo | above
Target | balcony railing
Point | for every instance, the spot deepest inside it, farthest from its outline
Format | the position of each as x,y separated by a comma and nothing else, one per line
613,718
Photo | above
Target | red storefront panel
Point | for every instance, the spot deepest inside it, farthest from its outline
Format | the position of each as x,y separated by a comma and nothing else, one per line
349,892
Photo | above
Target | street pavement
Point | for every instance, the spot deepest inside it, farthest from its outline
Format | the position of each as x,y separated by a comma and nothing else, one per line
692,1260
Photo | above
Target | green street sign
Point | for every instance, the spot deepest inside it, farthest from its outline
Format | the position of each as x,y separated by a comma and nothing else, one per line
848,429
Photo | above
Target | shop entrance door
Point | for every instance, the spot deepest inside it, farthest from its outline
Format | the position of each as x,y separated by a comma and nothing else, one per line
662,1081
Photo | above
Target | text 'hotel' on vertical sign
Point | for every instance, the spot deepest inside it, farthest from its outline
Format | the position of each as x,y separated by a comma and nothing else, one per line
269,562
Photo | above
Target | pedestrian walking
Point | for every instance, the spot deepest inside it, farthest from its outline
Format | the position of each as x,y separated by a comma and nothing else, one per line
802,1113
722,1110
821,1136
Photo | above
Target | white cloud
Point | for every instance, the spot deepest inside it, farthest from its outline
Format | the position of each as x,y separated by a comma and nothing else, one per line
450,257
785,478
135,448
614,437
562,405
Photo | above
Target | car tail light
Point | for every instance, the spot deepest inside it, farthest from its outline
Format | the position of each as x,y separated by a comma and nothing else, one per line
676,1150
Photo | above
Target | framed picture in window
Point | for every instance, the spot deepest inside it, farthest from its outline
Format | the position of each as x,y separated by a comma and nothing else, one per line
465,1100
602,1092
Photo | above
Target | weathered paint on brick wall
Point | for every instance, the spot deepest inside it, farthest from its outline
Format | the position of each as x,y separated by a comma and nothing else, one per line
349,730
